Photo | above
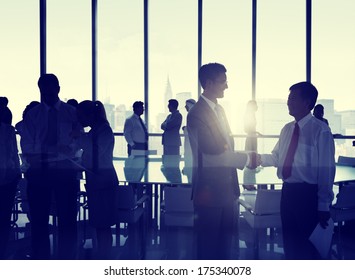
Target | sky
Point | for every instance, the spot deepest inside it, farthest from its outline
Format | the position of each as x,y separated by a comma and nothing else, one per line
173,49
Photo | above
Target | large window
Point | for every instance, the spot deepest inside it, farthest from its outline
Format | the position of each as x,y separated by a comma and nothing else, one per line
120,77
281,59
227,27
19,66
69,47
333,61
172,59
120,57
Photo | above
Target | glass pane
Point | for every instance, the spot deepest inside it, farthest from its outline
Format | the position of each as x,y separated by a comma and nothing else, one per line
227,33
69,47
120,61
172,59
19,67
333,66
281,60
120,56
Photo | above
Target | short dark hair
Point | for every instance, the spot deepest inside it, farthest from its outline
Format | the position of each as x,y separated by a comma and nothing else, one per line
210,71
48,79
319,107
95,109
174,103
307,91
137,105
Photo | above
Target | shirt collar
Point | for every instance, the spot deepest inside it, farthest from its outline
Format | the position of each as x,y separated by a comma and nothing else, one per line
209,102
56,105
304,120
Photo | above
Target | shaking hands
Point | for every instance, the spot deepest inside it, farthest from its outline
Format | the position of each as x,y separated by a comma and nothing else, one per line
254,160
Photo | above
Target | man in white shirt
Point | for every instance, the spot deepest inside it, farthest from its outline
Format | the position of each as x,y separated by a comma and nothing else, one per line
307,172
215,184
135,130
49,148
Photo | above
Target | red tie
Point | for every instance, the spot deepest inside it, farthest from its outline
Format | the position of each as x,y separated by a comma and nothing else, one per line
287,167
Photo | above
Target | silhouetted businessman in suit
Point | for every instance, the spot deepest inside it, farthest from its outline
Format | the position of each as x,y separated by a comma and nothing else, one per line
48,147
214,177
171,137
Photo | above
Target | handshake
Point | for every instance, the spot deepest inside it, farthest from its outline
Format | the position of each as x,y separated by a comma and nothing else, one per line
254,160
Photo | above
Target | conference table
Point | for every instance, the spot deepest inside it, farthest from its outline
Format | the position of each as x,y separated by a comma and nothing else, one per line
149,174
147,170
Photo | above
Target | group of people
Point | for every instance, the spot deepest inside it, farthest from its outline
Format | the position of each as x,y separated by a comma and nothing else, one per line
52,141
136,134
53,138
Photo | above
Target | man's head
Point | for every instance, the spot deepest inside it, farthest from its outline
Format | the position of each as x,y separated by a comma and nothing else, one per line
301,100
173,105
138,108
213,80
318,111
49,88
189,103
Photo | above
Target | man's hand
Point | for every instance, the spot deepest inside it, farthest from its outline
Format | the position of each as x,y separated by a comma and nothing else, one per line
255,160
323,218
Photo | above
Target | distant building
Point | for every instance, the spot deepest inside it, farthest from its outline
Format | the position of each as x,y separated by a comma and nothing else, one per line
110,113
167,95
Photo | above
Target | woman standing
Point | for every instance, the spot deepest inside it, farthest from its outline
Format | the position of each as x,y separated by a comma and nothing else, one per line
101,177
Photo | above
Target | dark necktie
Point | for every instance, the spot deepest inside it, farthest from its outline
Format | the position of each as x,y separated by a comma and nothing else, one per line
52,134
144,128
287,167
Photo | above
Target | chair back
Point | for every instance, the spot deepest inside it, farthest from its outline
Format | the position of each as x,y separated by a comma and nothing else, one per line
267,202
347,161
178,199
346,197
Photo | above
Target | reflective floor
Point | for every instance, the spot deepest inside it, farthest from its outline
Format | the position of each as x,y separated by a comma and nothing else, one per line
152,239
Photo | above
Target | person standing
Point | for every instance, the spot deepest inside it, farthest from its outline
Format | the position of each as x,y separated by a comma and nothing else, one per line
171,136
187,170
135,131
318,112
304,157
100,174
215,187
10,174
48,147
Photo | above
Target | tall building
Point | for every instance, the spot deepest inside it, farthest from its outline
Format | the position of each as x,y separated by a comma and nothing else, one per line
168,95
110,113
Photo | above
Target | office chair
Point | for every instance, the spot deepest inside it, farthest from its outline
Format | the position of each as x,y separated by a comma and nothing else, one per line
262,211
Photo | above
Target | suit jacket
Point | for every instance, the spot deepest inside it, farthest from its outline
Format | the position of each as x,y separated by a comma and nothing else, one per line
171,127
214,177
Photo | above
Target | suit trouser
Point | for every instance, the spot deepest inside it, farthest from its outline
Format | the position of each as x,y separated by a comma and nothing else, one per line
299,216
214,228
48,187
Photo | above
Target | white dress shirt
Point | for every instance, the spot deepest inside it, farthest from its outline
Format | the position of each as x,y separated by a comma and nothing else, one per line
314,161
35,130
133,130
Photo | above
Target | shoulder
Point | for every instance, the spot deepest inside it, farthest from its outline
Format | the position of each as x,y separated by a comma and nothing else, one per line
36,111
104,130
67,107
200,107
